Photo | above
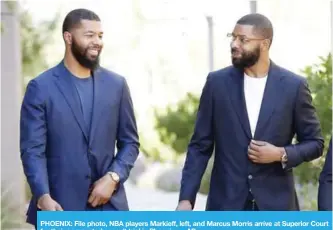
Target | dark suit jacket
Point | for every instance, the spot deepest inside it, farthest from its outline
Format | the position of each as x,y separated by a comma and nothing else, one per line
54,142
325,183
222,122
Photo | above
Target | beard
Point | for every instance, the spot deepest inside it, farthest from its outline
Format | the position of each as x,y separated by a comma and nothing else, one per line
247,59
82,57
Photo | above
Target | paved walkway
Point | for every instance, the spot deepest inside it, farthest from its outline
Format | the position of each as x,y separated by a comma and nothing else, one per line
148,199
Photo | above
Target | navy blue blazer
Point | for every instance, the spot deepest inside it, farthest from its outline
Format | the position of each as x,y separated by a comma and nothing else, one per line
222,123
325,183
56,145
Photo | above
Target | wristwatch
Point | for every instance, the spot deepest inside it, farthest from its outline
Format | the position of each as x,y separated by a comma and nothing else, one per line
114,176
284,157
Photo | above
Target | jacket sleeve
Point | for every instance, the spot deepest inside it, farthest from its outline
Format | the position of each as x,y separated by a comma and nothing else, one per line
308,131
127,137
33,140
200,148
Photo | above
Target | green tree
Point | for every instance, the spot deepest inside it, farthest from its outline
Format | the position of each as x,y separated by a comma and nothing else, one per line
319,77
320,82
34,40
175,125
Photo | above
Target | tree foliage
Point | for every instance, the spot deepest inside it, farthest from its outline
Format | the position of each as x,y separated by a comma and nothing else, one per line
175,125
33,42
35,37
319,77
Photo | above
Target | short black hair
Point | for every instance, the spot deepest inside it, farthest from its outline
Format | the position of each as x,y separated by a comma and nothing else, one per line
74,18
262,25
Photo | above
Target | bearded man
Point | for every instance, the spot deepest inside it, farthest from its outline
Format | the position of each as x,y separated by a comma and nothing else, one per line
250,112
73,117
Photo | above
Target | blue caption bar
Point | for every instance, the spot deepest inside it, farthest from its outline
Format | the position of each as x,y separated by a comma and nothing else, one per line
148,220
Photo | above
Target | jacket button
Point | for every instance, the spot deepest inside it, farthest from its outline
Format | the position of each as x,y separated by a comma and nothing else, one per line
250,177
88,177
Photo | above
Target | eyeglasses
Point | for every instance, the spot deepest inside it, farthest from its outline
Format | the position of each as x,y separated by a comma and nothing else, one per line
242,38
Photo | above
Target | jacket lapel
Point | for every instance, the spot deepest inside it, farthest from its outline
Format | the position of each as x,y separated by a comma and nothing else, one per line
236,84
67,88
270,99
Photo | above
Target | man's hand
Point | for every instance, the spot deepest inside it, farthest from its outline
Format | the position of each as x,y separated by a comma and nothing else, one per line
263,152
102,191
184,205
46,203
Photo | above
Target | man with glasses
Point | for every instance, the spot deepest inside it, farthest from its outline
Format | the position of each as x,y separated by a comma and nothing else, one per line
250,112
